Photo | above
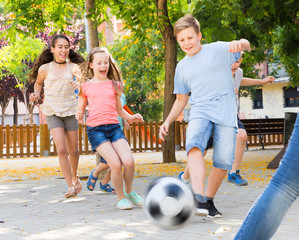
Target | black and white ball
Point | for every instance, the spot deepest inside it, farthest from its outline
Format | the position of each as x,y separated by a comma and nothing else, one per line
169,202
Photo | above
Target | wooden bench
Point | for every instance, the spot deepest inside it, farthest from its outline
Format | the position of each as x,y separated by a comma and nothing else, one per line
264,131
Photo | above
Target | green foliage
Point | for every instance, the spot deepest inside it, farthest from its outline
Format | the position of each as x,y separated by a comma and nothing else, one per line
141,18
141,64
16,58
27,17
268,25
288,51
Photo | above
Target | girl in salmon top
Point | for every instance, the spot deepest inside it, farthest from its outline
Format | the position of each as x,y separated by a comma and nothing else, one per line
101,89
55,68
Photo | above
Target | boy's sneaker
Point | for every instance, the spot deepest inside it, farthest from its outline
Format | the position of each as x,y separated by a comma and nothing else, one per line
134,198
236,178
180,176
213,212
124,204
201,208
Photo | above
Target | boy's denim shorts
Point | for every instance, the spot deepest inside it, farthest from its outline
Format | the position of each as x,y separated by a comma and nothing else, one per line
198,133
104,133
102,160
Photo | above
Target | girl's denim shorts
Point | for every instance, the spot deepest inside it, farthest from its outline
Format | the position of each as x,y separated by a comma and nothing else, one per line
104,133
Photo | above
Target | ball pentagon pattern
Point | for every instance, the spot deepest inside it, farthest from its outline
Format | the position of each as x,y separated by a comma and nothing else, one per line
169,202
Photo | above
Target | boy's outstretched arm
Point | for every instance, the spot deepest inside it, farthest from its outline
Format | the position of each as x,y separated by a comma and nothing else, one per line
239,45
176,110
251,81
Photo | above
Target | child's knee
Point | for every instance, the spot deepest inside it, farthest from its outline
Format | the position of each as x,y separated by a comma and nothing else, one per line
116,167
128,162
61,151
242,137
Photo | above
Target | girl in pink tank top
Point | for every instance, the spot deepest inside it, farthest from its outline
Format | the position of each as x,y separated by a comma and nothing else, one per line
101,88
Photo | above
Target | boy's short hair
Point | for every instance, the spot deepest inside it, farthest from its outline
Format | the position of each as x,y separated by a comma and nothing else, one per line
187,21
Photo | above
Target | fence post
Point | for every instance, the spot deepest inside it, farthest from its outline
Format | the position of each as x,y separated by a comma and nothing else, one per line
177,135
145,136
28,140
21,138
80,138
34,134
184,134
7,140
14,140
134,137
1,141
151,136
140,137
43,140
85,141
47,141
157,136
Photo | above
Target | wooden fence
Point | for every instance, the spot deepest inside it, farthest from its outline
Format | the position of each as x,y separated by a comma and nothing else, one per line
34,141
264,132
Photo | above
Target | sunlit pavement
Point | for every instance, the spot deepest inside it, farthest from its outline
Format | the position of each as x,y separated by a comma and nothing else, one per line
32,203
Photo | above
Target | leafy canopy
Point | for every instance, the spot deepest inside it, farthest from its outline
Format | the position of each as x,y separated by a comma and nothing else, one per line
15,58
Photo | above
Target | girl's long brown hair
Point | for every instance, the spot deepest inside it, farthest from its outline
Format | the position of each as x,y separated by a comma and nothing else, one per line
113,72
46,56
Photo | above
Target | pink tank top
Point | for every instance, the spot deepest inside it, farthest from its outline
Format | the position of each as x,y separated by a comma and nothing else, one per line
101,98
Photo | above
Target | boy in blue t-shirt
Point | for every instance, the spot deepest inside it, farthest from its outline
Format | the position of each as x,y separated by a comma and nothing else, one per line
206,72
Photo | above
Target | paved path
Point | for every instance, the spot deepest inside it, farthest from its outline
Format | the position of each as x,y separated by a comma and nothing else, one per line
32,205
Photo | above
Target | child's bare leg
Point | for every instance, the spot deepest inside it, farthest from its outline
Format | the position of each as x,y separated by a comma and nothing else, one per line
197,170
58,135
122,148
214,182
107,177
186,174
240,148
101,167
107,151
72,145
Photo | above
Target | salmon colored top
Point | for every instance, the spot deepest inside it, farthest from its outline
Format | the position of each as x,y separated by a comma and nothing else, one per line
101,98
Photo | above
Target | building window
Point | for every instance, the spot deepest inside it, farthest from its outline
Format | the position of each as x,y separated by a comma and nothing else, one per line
291,97
258,99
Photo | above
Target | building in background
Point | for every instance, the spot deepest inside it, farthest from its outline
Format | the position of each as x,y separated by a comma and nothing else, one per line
271,100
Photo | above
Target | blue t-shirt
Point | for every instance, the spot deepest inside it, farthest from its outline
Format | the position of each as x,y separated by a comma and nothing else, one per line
209,78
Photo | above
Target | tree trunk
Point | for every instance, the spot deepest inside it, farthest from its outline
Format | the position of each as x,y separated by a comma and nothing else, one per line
15,111
3,115
170,64
3,105
92,26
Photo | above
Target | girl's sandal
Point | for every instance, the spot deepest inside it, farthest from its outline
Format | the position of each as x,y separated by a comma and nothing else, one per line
78,185
90,183
71,193
107,188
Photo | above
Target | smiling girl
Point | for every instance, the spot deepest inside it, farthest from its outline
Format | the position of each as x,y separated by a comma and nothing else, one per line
101,88
55,68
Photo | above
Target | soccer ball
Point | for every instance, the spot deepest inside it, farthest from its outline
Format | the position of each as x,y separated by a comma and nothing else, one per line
169,202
